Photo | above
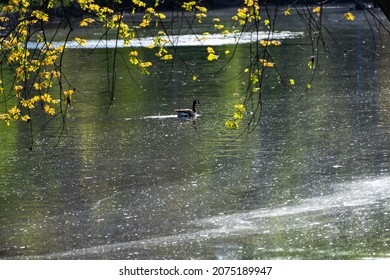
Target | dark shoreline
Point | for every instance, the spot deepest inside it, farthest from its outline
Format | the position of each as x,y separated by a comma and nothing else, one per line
73,10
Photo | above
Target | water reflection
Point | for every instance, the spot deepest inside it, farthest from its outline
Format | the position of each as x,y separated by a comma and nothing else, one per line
324,218
178,40
312,181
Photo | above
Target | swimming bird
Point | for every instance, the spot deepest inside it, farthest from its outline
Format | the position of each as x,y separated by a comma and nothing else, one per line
188,113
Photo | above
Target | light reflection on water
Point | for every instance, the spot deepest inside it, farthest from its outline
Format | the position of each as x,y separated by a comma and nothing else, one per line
348,203
179,40
312,181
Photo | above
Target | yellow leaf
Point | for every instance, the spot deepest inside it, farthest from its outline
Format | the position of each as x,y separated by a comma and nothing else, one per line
49,110
25,118
238,115
240,108
69,92
145,64
201,9
167,57
46,98
37,86
133,60
145,22
231,124
266,63
80,41
14,111
349,16
212,57
188,6
210,50
86,21
317,9
40,15
292,82
18,88
200,17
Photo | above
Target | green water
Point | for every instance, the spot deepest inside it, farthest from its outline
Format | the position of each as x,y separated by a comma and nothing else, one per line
312,181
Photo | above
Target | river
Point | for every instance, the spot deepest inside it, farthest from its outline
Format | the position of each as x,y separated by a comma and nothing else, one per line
311,181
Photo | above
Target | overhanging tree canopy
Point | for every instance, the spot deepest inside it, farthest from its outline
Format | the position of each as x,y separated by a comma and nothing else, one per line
39,83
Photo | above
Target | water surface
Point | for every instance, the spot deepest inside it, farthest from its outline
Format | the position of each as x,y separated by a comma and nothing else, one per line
312,181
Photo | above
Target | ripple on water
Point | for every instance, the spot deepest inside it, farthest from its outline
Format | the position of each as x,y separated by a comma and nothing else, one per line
307,214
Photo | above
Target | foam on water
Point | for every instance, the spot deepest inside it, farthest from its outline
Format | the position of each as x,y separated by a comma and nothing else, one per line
353,194
152,117
158,117
179,40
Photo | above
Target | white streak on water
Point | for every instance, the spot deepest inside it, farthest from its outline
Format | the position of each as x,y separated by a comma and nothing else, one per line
159,117
179,40
353,194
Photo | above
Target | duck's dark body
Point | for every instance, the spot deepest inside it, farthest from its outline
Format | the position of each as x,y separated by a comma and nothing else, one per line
188,113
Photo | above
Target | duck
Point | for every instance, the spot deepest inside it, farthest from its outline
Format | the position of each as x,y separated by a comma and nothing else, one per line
188,113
